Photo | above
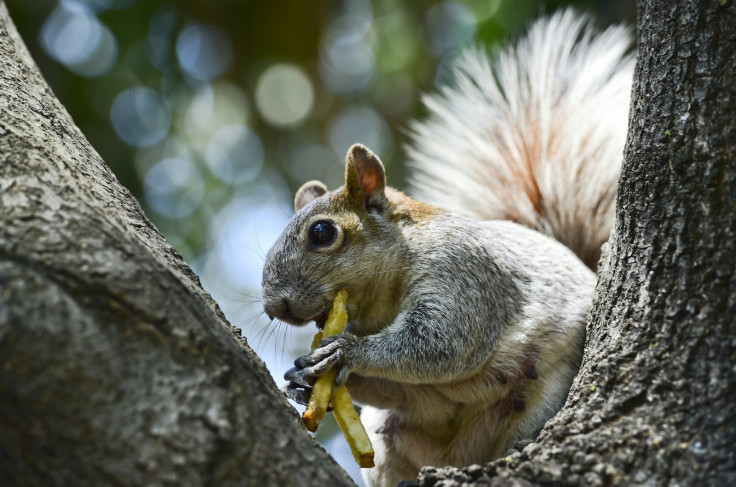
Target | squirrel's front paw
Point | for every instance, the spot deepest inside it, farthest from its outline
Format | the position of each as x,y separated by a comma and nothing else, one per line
297,393
331,352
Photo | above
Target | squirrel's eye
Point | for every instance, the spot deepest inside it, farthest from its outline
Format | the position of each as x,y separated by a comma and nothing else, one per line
322,233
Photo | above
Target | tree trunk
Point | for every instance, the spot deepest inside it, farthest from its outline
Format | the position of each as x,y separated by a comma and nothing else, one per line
117,368
655,400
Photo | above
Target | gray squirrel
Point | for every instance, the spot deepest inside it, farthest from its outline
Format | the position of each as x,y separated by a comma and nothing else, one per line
467,315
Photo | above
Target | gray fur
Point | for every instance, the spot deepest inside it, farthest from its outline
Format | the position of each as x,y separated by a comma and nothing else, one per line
464,335
471,296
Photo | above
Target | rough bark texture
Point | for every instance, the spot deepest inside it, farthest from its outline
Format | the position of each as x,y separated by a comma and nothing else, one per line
117,368
655,401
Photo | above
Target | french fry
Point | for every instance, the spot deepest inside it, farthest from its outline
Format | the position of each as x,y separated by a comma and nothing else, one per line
317,339
319,400
352,428
337,318
342,406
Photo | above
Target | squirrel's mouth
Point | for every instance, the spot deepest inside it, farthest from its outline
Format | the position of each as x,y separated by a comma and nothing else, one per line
294,309
320,320
292,319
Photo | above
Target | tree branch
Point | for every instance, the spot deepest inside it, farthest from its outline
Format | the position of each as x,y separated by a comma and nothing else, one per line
117,367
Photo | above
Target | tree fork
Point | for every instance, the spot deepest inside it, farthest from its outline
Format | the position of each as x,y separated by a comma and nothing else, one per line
118,368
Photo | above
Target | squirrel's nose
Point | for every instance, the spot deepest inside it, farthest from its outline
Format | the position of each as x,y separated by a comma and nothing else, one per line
284,308
276,307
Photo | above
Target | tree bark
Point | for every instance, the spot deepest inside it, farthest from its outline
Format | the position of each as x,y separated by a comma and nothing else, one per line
117,368
655,400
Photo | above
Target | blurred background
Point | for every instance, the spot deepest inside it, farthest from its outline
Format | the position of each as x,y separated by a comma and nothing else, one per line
213,112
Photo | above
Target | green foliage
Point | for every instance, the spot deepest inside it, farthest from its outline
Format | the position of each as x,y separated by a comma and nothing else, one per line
404,44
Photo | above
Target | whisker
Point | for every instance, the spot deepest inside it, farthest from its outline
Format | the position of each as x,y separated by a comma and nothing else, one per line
287,213
275,332
262,254
260,336
250,299
285,339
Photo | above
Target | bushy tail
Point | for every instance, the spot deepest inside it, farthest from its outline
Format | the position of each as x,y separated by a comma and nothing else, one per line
535,135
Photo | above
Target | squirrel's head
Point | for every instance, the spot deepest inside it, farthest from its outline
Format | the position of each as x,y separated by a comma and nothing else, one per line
339,239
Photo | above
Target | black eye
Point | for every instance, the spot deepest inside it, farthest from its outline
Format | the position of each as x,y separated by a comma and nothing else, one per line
322,233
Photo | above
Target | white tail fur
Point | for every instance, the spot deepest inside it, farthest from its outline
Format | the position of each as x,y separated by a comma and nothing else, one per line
535,136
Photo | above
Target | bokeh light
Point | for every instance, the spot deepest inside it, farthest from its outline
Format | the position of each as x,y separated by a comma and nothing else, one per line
359,124
315,161
243,232
485,10
208,108
75,37
399,38
101,5
204,51
347,62
159,41
141,116
284,95
449,26
174,187
235,154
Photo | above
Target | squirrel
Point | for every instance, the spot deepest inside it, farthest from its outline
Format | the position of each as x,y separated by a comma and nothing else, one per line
467,310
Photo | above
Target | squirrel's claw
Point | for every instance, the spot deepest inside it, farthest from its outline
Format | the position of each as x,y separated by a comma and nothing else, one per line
295,375
328,350
306,376
297,393
331,353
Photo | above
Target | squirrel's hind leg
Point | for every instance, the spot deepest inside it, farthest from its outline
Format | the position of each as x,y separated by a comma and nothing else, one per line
391,466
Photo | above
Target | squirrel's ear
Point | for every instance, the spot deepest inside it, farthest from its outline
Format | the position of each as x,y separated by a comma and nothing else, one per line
365,177
309,192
